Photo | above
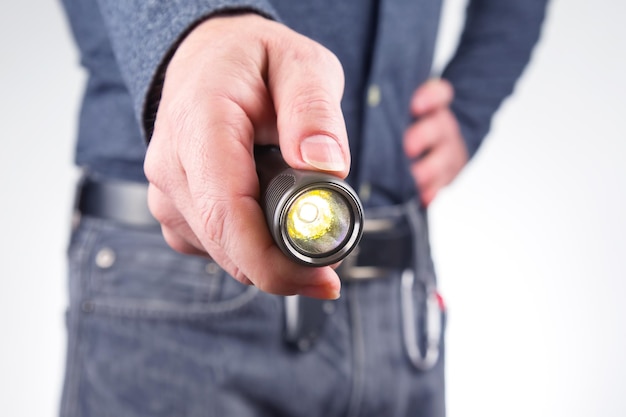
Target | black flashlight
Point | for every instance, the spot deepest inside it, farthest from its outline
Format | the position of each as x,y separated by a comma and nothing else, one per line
315,218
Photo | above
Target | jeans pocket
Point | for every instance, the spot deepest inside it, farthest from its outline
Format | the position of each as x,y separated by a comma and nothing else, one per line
153,332
133,272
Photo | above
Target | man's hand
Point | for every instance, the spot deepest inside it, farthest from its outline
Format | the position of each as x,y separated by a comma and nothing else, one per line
233,82
434,141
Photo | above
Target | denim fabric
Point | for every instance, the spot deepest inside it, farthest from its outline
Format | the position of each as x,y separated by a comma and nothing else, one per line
156,333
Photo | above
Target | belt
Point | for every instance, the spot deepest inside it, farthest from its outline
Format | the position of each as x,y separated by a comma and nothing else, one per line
122,202
386,244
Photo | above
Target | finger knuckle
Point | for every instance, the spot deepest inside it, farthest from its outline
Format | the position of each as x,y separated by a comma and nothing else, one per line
215,218
162,163
160,212
311,102
168,217
177,243
153,161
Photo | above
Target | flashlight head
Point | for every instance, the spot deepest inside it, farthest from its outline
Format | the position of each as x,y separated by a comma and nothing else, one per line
318,221
315,218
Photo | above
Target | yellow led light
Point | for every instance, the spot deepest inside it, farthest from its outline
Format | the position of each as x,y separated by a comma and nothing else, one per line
318,221
310,216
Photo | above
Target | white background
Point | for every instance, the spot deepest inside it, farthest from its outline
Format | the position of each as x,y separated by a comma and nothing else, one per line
530,241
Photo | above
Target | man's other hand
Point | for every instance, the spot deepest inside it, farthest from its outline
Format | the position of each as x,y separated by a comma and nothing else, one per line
434,142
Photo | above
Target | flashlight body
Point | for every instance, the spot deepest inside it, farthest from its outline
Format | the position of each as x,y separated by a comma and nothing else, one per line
280,188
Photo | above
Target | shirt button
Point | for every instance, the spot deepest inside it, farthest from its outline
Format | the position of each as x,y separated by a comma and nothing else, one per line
373,95
365,191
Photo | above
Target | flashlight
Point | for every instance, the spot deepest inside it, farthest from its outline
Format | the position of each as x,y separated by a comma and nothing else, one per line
315,218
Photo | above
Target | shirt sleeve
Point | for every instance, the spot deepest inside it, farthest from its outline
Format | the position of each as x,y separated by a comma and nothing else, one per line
145,33
494,48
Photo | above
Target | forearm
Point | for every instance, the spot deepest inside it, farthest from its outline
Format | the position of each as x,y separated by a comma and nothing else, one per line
495,47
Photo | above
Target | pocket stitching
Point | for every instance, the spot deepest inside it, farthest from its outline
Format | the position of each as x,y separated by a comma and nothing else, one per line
170,310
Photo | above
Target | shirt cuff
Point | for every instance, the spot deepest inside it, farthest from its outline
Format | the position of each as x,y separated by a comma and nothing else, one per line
145,35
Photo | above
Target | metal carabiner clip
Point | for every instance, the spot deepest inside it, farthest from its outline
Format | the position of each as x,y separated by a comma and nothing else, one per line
433,324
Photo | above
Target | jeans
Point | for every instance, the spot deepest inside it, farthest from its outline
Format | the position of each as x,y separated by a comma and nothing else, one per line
152,332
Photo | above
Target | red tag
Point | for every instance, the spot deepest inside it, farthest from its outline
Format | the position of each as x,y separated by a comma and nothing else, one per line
442,304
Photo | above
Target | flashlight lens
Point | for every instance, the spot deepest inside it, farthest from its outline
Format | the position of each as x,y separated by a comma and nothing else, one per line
318,221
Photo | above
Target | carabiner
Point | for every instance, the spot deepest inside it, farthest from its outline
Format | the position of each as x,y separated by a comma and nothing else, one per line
433,324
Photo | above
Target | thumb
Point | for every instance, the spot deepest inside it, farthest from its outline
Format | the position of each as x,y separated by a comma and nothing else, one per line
306,82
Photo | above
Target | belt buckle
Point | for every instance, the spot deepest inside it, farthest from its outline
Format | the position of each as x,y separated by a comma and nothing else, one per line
349,270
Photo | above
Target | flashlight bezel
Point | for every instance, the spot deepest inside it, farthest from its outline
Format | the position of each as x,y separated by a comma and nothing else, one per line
355,228
281,185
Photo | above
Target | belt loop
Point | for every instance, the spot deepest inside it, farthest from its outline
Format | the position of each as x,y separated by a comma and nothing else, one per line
304,320
421,247
78,190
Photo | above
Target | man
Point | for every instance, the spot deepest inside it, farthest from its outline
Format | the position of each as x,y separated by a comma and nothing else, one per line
341,87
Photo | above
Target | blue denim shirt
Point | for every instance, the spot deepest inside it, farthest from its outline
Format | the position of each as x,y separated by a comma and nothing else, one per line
386,48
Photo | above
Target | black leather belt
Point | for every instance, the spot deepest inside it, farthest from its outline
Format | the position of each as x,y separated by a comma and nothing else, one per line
123,202
386,246
386,243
